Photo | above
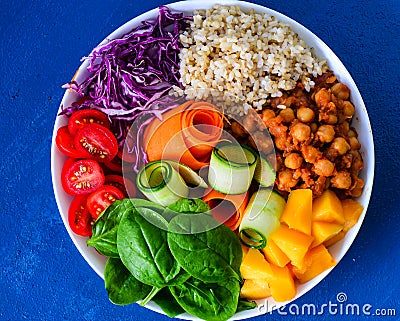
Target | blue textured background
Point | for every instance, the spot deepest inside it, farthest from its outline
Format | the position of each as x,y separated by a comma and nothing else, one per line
42,275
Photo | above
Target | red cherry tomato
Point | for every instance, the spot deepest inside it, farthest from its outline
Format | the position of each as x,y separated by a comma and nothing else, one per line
96,142
79,218
83,117
65,142
102,198
122,183
81,177
115,165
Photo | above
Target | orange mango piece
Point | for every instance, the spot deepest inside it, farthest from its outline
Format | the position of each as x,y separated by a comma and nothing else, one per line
351,211
318,260
255,289
282,284
328,208
298,210
274,254
335,239
323,231
255,266
293,243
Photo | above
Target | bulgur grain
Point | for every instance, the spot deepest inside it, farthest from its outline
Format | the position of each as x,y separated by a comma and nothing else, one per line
252,56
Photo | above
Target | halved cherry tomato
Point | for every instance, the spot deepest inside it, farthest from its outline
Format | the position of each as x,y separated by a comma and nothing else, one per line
115,165
82,177
65,142
123,184
79,218
96,142
83,117
102,198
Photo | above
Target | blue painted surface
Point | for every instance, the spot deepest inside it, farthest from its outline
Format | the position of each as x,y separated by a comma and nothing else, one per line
42,275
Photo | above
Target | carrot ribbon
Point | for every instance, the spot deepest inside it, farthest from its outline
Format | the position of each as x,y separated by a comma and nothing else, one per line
187,134
227,209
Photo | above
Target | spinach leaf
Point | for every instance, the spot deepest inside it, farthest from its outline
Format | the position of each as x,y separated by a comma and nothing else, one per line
244,305
189,206
104,236
208,301
167,303
143,249
122,287
207,252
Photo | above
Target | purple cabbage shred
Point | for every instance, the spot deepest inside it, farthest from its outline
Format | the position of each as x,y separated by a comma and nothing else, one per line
130,76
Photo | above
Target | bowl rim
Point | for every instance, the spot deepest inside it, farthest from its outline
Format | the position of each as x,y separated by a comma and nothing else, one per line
368,149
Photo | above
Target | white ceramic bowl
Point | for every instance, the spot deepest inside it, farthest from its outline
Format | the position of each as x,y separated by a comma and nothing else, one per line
360,122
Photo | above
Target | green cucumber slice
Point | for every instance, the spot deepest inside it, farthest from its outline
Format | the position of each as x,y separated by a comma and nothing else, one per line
188,174
261,217
231,168
264,174
161,183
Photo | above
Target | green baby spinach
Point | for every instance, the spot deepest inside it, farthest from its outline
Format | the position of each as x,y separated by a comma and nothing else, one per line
122,287
104,236
143,248
209,253
208,301
189,206
244,305
167,303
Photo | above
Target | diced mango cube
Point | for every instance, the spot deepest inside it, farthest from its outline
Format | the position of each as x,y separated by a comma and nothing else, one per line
274,254
318,260
323,231
255,266
328,208
255,289
298,210
293,243
335,239
351,211
282,284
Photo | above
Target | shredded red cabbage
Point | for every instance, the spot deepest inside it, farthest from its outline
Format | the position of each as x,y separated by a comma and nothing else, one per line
130,74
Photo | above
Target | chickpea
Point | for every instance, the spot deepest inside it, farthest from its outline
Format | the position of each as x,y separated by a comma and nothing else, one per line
340,145
267,114
286,180
301,132
293,161
348,109
238,130
332,119
281,142
310,153
287,114
354,143
322,97
341,91
325,133
343,128
305,114
324,167
351,133
341,180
